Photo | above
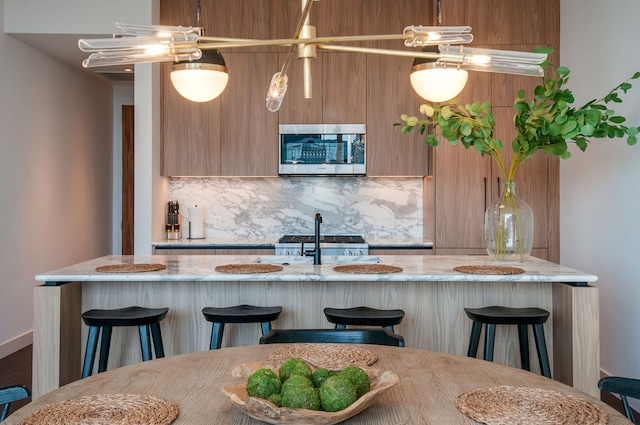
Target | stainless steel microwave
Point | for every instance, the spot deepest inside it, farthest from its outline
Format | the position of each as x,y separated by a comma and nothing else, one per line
322,149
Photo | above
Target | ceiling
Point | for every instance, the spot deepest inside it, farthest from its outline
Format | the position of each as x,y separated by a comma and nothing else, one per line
64,47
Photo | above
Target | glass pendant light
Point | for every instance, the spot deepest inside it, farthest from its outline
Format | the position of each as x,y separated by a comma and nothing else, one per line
201,80
204,79
435,82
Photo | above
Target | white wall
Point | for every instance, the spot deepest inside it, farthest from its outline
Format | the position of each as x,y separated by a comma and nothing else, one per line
55,176
599,191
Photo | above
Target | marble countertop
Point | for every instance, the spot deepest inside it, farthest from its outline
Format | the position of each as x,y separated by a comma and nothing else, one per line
415,268
240,243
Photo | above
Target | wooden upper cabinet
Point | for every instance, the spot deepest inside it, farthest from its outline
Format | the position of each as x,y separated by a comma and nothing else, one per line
344,88
295,109
190,133
389,95
248,132
533,22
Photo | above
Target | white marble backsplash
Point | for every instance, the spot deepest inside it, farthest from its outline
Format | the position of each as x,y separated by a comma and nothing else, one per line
271,207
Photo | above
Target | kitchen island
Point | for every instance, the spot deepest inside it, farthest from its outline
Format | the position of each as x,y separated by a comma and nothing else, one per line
431,293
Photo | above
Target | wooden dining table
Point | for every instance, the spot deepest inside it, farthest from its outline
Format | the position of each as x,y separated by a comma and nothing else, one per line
429,383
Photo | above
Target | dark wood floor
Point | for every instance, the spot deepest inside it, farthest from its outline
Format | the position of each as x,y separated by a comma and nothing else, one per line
16,369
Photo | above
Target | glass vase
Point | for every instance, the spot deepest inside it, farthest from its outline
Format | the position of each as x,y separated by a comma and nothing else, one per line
508,226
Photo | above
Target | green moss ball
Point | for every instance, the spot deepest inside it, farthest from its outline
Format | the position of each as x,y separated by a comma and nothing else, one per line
263,383
301,397
358,378
276,399
294,366
337,393
319,376
296,381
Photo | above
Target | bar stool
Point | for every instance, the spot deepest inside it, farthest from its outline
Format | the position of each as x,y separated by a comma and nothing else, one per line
498,315
146,319
363,316
244,313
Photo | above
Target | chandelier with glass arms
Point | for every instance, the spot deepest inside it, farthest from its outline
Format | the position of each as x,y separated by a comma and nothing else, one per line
200,74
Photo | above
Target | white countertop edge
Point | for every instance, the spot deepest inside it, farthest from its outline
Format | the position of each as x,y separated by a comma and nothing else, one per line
415,268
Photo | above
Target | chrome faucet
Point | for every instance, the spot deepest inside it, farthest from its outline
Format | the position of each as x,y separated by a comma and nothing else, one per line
316,251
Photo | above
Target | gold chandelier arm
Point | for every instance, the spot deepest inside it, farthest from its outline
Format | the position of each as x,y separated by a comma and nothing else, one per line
223,42
387,52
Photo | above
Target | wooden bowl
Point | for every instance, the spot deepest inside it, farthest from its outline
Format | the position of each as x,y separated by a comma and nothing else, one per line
265,411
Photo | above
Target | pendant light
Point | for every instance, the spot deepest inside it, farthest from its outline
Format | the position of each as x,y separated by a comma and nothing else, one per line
201,80
435,82
204,79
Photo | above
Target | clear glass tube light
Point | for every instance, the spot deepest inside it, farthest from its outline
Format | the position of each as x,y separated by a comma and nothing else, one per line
419,36
488,60
276,91
164,46
137,29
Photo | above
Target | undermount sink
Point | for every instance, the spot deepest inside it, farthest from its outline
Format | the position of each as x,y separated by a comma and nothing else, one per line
326,259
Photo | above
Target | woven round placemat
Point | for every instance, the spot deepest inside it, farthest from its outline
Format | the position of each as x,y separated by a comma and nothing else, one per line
130,268
106,409
328,356
505,405
489,269
249,268
367,268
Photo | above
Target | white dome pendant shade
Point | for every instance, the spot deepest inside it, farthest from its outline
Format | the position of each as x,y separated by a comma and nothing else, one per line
436,83
201,80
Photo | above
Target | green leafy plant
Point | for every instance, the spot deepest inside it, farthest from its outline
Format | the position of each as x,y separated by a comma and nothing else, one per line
544,123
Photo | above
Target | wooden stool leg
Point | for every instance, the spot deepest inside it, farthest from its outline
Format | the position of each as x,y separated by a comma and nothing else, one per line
90,351
489,341
105,343
266,327
476,328
216,336
158,347
523,339
541,347
145,342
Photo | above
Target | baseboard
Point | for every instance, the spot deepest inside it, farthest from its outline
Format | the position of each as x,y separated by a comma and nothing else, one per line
614,400
16,344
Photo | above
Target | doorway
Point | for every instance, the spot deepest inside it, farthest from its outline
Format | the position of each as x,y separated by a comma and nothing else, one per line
128,175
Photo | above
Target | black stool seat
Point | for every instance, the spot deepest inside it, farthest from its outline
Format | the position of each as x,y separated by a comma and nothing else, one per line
238,314
508,315
522,317
363,316
128,316
146,319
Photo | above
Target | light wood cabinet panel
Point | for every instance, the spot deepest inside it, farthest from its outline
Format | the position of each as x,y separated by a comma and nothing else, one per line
533,22
249,134
344,88
190,133
462,179
295,109
389,94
